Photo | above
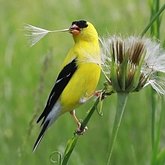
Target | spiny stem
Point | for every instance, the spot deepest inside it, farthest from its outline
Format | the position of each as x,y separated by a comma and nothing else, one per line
121,103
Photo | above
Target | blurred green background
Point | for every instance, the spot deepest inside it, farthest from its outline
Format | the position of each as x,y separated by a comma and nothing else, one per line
27,75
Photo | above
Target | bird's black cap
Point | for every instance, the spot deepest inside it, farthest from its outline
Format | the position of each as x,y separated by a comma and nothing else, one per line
80,23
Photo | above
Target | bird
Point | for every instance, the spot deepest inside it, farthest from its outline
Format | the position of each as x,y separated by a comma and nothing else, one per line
77,81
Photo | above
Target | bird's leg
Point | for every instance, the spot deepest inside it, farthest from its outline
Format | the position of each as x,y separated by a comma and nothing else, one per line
79,131
73,114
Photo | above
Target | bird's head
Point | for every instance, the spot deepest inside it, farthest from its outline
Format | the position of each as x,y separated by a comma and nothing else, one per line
83,30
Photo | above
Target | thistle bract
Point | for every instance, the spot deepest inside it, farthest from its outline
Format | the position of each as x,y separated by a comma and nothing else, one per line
133,63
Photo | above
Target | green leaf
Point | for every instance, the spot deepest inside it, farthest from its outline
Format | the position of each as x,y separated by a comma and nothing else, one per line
114,77
123,73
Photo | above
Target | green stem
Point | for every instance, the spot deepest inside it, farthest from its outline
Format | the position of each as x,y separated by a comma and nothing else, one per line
160,122
69,149
153,109
152,20
153,126
73,141
156,25
155,131
87,118
121,103
158,134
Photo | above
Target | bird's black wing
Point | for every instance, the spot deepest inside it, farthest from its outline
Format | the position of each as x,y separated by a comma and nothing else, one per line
61,82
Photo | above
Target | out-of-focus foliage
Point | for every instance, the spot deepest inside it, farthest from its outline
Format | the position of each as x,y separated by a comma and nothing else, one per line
27,75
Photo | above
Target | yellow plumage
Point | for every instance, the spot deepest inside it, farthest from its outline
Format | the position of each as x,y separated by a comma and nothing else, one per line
78,78
84,81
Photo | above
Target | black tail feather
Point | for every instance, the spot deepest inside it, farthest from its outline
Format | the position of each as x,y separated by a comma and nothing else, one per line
44,128
41,116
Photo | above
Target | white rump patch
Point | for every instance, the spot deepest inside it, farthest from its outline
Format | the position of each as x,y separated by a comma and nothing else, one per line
54,113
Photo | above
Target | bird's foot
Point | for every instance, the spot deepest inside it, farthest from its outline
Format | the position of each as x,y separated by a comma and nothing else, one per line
80,130
99,94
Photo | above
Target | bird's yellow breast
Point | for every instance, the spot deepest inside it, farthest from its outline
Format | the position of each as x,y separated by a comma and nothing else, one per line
81,86
83,83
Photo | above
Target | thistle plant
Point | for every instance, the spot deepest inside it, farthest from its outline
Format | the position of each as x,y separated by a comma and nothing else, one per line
131,64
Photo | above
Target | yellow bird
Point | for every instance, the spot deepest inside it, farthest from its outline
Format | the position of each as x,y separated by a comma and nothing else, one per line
78,79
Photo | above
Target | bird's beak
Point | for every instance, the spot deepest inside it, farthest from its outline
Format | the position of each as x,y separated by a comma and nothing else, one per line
74,29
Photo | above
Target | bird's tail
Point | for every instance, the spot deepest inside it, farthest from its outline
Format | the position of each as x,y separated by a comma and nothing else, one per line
40,136
48,119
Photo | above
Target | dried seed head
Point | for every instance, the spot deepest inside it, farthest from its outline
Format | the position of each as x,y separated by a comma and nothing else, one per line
135,52
131,63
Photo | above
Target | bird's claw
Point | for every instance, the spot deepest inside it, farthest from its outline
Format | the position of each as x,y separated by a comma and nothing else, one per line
80,130
99,94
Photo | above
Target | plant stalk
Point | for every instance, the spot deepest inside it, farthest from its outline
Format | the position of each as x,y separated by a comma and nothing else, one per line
73,141
153,19
121,103
155,131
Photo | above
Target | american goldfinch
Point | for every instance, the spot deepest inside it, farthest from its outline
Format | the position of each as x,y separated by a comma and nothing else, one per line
78,78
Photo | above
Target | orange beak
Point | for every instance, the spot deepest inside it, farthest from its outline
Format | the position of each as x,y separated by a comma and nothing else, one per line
74,29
